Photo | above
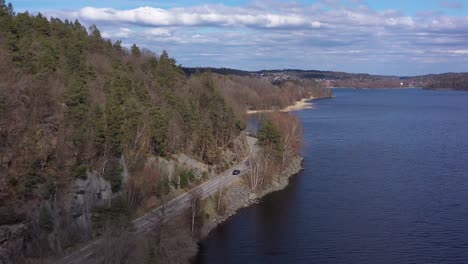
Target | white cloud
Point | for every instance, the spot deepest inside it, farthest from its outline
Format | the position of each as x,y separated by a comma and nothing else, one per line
202,16
280,34
159,32
461,52
120,33
123,33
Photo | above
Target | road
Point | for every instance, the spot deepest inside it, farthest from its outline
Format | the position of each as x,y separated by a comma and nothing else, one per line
172,208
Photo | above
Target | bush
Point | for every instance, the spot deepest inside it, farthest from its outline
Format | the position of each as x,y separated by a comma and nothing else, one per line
79,172
50,188
205,175
186,177
240,125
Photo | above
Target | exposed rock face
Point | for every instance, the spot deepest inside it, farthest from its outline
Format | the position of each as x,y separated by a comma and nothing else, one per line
198,168
84,195
237,150
166,167
11,240
69,214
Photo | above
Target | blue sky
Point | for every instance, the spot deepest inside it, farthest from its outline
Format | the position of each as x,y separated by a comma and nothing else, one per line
398,37
410,7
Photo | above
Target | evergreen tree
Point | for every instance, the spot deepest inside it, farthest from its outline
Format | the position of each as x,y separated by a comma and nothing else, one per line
118,47
159,127
98,123
135,50
269,136
76,100
167,71
117,108
95,43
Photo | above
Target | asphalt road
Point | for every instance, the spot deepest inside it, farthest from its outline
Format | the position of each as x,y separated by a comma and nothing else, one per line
172,208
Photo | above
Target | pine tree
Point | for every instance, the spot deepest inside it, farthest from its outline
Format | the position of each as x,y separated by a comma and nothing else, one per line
76,100
159,131
135,50
269,136
99,128
166,72
95,43
117,108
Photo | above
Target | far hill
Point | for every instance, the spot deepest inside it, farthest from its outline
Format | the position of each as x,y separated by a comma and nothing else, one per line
455,81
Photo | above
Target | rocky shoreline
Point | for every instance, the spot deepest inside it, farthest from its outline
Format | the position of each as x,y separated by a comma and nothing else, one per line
239,195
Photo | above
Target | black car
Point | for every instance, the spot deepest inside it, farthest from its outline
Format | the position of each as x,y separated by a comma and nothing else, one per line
235,172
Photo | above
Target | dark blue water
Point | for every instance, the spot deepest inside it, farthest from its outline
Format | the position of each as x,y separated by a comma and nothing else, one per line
385,181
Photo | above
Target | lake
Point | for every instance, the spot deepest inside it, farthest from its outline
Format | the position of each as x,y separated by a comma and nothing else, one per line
385,180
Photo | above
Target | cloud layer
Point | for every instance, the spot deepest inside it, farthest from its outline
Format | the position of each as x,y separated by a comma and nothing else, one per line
328,35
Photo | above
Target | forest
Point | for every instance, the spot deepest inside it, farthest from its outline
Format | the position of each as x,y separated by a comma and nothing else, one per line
454,81
73,104
72,101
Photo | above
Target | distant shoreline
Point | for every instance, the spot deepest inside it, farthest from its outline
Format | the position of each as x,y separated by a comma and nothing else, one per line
401,88
298,105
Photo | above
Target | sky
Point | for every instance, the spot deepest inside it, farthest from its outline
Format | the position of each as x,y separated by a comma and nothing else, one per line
389,37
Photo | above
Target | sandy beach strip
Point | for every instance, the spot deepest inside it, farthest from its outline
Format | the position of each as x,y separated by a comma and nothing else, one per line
298,105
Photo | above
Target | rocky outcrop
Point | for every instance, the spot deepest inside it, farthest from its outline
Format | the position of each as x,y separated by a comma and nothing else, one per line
55,223
237,150
84,195
198,168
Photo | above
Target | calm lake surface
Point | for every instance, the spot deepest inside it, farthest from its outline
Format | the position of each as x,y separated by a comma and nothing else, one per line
385,181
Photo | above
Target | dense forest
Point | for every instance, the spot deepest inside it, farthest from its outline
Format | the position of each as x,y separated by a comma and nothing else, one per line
73,104
72,101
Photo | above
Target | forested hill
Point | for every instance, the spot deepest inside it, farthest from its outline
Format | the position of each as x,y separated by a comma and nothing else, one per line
72,102
454,81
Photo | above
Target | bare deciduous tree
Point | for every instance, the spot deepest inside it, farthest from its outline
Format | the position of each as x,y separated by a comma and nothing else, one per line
195,199
291,131
139,142
260,167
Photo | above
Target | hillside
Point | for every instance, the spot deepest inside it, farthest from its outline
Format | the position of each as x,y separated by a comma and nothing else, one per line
456,81
78,115
93,133
72,101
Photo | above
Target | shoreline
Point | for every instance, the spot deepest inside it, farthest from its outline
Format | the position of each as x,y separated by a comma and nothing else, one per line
240,196
382,88
298,105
